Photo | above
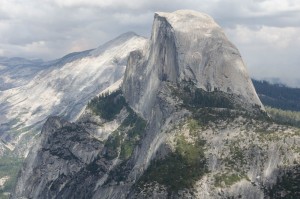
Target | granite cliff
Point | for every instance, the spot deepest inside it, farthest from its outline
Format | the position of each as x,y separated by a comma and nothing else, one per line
185,123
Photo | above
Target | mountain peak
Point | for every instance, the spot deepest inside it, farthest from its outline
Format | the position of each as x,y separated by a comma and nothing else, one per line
186,20
187,46
196,138
128,35
116,42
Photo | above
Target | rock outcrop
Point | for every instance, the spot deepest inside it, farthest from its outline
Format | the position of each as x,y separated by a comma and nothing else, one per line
186,46
187,123
70,153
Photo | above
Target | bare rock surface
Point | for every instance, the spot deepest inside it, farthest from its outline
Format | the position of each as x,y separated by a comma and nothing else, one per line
186,123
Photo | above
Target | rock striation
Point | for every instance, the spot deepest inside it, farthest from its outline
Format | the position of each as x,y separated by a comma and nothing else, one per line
186,123
61,87
186,46
70,153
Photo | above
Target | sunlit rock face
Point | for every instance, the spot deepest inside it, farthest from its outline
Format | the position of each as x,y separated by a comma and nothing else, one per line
186,123
61,87
187,46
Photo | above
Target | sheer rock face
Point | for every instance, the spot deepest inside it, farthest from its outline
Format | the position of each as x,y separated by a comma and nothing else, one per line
190,46
214,152
64,163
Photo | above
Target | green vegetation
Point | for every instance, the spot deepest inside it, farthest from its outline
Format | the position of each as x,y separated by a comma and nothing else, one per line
119,173
213,105
194,97
9,166
122,142
278,95
284,117
269,136
237,154
112,145
191,151
136,128
107,105
287,184
127,149
193,125
180,169
236,159
205,115
126,137
228,179
201,98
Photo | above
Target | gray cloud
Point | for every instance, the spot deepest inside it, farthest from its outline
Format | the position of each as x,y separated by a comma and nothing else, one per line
265,31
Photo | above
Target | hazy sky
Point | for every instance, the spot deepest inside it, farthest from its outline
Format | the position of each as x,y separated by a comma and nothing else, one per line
267,32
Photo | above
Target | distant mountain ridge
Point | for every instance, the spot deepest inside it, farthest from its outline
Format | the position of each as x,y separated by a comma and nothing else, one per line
183,124
34,90
17,71
278,95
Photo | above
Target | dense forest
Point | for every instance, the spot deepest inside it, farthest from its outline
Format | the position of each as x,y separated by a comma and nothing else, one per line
278,96
282,103
291,118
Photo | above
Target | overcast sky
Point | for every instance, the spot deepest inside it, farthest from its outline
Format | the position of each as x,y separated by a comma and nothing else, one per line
267,32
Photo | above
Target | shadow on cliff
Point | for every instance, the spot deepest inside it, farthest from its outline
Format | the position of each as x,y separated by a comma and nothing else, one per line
287,184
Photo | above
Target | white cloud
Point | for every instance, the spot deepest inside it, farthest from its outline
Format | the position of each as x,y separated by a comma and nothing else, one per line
269,51
131,19
280,38
266,31
273,6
